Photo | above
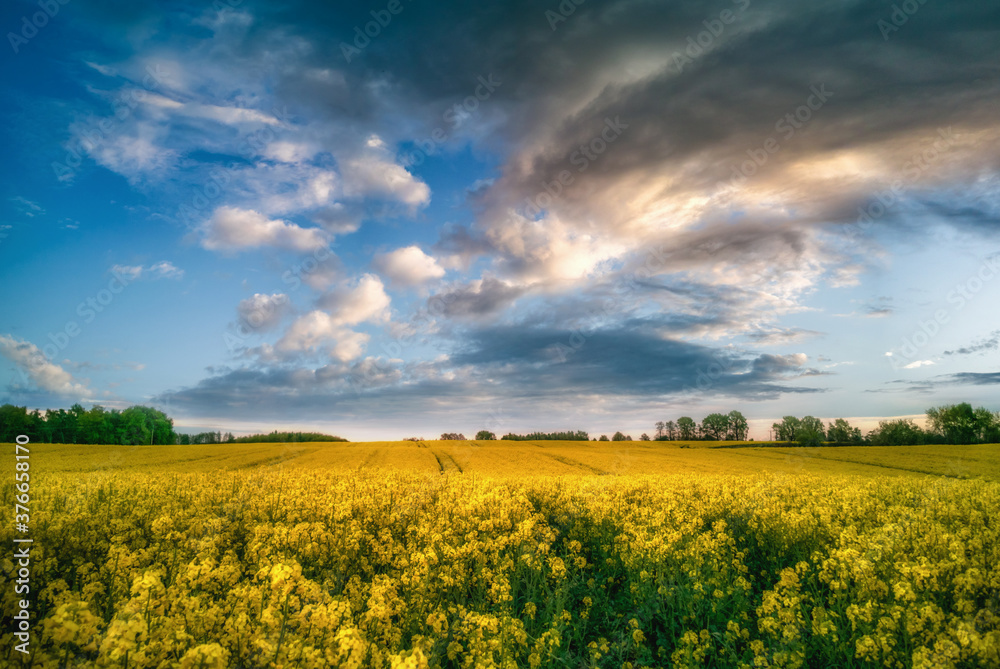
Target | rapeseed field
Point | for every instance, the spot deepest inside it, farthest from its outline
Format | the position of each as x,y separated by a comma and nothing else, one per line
439,554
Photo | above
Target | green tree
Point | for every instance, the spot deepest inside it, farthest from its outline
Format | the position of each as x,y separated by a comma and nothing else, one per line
687,429
961,424
14,421
841,432
738,427
670,430
96,427
787,429
715,426
135,427
485,435
898,432
618,436
810,432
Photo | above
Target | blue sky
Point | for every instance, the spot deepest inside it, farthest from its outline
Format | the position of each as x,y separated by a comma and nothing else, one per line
500,215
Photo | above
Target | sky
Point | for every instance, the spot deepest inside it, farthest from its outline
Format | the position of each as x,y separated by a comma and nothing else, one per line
399,218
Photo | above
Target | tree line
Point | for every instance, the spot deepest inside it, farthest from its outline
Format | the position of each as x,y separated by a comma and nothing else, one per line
270,437
730,426
948,424
135,425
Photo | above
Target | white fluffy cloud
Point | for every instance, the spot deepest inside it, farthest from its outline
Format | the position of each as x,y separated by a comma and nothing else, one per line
231,228
320,330
364,301
374,172
329,330
43,373
409,266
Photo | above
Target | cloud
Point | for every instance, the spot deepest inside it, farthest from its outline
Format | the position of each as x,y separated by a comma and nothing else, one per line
163,269
289,152
991,343
263,312
315,329
44,374
548,370
408,266
371,173
917,364
773,336
233,229
26,207
357,302
327,330
479,298
772,366
976,378
134,155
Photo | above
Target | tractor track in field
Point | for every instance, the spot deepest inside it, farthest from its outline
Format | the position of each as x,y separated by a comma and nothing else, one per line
272,461
576,464
446,463
369,459
821,458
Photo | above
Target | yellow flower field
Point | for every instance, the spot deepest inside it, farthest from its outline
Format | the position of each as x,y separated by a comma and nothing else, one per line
457,554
